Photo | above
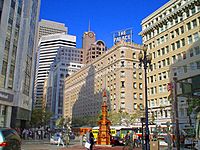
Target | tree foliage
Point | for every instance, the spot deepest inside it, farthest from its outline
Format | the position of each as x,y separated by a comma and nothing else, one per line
63,122
40,117
124,118
85,121
193,105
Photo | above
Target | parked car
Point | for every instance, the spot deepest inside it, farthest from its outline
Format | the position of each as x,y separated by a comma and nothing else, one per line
54,139
116,140
9,139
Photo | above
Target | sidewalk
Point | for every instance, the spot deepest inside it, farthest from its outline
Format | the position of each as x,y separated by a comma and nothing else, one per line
78,147
36,141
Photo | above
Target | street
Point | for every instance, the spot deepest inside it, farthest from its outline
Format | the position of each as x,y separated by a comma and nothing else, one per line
74,145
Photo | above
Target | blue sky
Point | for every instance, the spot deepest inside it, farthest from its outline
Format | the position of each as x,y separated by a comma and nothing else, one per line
106,16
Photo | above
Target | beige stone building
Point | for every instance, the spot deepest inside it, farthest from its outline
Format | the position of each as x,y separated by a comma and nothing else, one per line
172,35
117,71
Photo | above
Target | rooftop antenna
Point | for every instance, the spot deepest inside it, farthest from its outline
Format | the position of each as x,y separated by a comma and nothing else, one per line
89,25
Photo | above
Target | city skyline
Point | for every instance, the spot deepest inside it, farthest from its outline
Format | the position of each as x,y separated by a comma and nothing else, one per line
76,15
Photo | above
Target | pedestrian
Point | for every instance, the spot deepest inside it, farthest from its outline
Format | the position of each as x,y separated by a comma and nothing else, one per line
39,134
127,140
91,139
67,139
60,139
135,140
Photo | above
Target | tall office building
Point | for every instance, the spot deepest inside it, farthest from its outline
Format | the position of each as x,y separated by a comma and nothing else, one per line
172,36
91,48
18,24
47,50
65,64
47,27
116,71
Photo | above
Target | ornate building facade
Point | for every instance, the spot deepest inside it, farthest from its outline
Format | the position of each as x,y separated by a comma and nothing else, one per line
171,34
117,71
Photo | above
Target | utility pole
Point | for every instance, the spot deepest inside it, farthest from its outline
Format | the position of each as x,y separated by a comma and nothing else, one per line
176,114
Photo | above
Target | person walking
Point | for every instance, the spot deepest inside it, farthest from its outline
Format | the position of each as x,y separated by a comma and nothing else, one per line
91,139
127,140
60,139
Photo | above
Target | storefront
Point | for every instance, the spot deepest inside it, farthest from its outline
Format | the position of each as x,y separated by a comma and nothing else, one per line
6,101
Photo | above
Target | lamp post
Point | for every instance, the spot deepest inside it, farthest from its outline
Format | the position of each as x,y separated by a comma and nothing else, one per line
142,121
145,60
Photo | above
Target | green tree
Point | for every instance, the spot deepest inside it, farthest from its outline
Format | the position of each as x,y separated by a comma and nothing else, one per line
63,122
40,117
194,103
124,118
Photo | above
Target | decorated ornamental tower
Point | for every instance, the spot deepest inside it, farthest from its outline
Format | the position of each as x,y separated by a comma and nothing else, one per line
104,124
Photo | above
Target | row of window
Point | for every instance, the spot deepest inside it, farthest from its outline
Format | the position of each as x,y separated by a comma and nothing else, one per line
161,76
135,106
175,58
193,66
172,22
166,12
163,101
161,114
161,89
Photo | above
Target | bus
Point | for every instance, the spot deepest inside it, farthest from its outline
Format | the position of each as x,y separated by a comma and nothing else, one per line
121,131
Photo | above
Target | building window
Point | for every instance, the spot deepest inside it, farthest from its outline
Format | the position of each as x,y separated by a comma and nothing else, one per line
196,36
122,64
168,62
177,32
183,42
140,75
158,52
182,29
191,52
189,39
197,50
184,55
122,74
198,64
135,95
135,85
189,26
192,66
122,95
159,76
173,46
163,51
141,96
163,63
185,68
178,44
160,88
194,23
167,49
135,106
134,65
134,75
172,34
141,107
140,85
134,55
193,10
123,84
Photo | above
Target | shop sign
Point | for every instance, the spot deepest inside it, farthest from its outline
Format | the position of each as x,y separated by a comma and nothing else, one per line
6,96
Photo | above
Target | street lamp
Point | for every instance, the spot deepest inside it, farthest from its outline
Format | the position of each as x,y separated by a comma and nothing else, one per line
146,61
